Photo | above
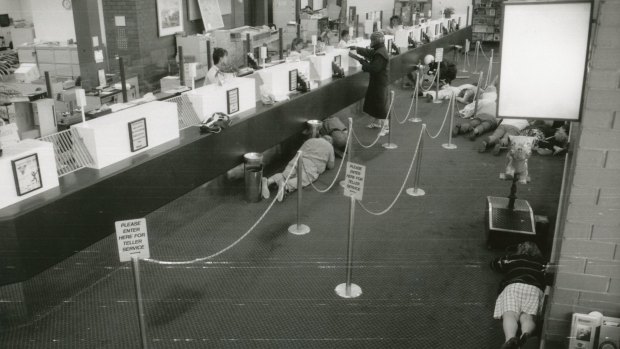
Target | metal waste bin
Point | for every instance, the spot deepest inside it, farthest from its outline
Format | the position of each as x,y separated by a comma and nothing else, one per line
253,173
313,128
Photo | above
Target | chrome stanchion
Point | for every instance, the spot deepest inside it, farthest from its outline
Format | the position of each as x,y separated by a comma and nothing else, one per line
416,190
476,65
350,148
138,289
449,145
415,117
299,229
348,289
437,100
389,144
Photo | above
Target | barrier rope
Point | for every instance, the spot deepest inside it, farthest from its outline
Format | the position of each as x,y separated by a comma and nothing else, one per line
431,85
197,260
452,100
379,135
400,191
346,148
415,93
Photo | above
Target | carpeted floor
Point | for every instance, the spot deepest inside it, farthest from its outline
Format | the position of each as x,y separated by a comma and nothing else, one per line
422,266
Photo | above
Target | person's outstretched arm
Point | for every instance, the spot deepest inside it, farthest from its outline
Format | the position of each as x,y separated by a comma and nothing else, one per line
376,65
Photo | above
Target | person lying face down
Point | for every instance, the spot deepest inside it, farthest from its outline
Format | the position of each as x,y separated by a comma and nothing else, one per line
317,156
520,297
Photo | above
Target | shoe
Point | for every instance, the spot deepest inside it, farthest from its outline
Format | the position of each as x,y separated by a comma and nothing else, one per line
384,131
512,343
456,130
374,125
524,337
473,135
265,188
496,149
483,147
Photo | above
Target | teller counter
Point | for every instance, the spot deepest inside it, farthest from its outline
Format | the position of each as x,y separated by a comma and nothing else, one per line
41,231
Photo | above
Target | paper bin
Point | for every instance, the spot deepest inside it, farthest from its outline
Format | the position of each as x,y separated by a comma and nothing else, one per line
253,173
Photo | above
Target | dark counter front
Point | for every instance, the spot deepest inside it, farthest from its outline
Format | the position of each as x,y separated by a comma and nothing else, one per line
42,231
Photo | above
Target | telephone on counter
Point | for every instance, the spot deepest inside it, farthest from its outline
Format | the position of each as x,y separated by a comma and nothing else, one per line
303,84
215,123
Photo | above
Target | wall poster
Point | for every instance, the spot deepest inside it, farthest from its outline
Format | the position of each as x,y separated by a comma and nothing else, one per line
169,17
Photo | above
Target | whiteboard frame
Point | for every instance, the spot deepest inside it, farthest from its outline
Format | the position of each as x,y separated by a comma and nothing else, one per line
576,118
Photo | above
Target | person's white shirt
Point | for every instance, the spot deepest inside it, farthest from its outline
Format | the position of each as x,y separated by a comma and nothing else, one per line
518,123
212,75
342,44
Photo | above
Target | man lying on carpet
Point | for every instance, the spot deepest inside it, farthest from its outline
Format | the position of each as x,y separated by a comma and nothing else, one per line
317,156
485,119
499,138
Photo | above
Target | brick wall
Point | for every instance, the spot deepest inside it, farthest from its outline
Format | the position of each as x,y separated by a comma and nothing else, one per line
146,55
588,275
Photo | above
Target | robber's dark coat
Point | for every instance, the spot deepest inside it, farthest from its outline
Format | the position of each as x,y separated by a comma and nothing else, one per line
377,94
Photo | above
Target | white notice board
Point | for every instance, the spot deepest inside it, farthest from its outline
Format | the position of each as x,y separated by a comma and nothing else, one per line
544,50
211,14
132,239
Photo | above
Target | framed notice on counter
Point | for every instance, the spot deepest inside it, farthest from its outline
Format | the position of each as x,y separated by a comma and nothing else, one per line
27,174
338,61
232,100
138,138
292,80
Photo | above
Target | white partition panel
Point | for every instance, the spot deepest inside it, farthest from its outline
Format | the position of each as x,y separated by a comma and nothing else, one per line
543,59
112,138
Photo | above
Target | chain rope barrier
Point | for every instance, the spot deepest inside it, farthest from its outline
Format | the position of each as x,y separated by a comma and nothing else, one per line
198,260
346,148
452,100
400,191
431,85
415,92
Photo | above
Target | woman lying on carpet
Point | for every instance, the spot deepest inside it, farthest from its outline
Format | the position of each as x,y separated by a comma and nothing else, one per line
521,293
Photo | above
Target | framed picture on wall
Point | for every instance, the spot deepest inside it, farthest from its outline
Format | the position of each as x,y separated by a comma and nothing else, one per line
169,17
27,174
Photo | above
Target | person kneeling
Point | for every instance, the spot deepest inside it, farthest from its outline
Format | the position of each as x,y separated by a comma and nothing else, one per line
317,155
521,293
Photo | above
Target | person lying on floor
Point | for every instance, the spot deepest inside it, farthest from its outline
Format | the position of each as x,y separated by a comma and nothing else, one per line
483,121
499,138
317,156
551,137
332,126
447,73
463,92
488,95
521,293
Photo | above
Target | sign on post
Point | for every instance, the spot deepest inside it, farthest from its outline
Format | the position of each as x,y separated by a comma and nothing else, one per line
439,54
354,180
132,239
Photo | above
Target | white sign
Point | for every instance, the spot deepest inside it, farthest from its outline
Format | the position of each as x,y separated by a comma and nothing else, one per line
439,54
354,180
132,239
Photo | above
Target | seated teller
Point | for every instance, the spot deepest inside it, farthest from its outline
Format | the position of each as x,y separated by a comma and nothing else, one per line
216,74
